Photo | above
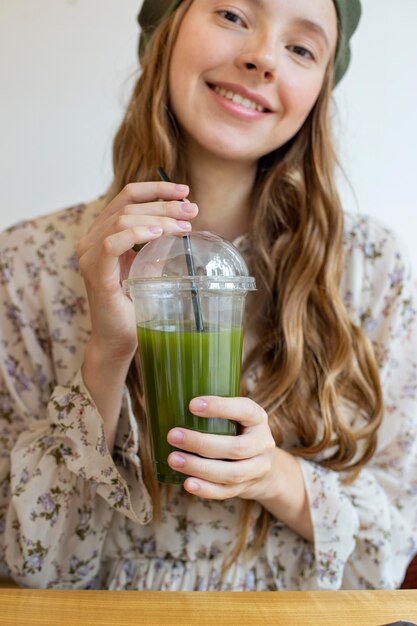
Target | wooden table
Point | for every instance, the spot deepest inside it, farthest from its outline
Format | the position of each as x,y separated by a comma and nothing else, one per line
125,608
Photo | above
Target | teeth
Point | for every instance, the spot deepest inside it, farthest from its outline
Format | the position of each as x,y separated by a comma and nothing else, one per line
235,97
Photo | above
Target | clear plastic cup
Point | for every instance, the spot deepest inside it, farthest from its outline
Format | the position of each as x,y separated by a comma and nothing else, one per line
190,332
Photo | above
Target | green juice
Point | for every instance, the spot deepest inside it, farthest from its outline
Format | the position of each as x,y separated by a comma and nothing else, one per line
178,364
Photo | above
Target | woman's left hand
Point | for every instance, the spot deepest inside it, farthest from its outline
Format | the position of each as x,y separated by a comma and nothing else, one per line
222,466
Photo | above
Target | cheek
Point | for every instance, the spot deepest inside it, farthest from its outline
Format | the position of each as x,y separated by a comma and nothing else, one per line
300,99
183,66
177,80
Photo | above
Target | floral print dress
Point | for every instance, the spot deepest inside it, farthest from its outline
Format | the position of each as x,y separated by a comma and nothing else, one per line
74,516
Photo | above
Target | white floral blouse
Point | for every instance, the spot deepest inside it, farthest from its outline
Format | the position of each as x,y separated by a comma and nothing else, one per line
73,516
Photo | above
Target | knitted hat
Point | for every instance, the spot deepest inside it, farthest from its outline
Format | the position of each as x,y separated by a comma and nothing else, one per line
349,11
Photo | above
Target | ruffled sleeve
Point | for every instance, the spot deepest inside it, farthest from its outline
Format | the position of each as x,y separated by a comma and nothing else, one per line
65,488
366,532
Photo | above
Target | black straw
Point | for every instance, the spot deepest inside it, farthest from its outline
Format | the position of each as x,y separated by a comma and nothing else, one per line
190,267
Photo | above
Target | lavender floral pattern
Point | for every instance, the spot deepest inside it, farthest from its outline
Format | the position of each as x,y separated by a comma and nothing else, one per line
73,516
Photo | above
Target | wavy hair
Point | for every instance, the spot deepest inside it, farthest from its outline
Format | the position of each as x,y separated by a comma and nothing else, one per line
312,362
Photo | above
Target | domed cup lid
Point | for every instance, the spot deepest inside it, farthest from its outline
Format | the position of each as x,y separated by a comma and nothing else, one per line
201,260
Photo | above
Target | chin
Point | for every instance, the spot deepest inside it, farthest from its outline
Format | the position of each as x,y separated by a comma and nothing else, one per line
230,151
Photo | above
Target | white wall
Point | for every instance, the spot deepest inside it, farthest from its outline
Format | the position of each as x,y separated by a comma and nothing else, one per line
66,69
377,102
64,78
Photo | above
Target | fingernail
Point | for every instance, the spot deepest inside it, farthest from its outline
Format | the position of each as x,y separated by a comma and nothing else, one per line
192,485
155,230
199,404
181,187
183,225
188,207
177,460
176,436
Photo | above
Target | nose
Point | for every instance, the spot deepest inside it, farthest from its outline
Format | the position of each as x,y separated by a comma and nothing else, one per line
260,57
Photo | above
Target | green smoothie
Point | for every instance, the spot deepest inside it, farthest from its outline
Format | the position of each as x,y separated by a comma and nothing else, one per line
178,364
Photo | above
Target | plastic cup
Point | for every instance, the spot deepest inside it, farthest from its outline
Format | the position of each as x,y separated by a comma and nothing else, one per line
178,360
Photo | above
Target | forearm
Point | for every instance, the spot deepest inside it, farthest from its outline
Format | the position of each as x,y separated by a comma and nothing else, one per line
286,495
105,379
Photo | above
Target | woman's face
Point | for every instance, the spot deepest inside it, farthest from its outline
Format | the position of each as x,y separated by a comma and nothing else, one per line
245,74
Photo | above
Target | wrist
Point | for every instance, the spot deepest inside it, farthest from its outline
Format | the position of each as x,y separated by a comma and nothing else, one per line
99,357
284,494
274,487
104,378
104,375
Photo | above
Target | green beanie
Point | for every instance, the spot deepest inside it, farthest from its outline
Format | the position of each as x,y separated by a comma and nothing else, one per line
349,11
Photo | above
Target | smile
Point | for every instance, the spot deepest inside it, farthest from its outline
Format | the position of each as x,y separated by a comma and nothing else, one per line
238,99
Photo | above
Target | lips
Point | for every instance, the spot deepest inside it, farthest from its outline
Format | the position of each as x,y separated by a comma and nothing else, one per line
241,96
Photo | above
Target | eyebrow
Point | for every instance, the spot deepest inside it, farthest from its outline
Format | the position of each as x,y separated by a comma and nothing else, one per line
314,28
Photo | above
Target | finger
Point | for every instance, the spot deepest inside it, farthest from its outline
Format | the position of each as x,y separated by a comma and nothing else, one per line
242,410
211,491
115,244
219,471
137,215
99,249
118,243
168,224
174,209
137,193
242,446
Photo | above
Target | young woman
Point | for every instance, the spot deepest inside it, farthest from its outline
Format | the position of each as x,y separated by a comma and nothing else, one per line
318,489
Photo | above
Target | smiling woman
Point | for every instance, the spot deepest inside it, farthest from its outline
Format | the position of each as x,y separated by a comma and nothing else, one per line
283,62
316,490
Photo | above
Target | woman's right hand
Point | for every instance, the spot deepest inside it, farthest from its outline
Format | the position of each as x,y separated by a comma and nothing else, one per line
139,213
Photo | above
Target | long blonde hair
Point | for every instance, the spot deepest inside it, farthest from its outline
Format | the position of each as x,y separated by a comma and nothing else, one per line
312,360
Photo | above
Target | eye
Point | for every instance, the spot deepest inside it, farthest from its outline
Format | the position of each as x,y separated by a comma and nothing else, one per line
302,52
230,16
